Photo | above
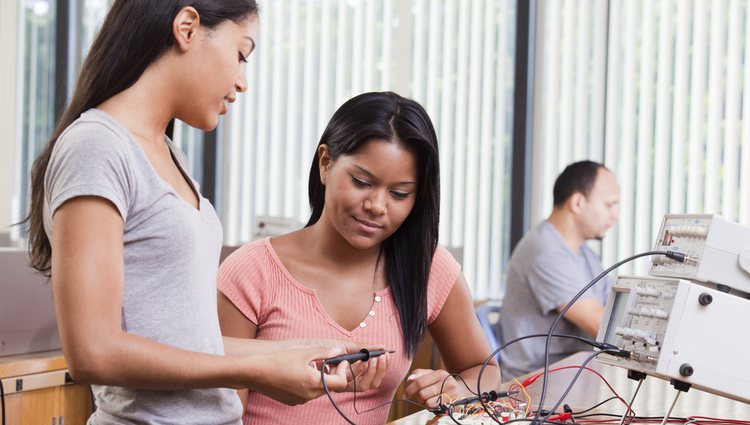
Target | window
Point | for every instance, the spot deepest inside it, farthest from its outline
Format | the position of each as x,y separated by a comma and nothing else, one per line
37,33
454,57
661,95
36,110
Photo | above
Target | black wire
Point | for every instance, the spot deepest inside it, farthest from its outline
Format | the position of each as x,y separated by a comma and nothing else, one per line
439,400
565,310
387,403
336,406
494,353
328,392
596,405
463,381
573,381
2,400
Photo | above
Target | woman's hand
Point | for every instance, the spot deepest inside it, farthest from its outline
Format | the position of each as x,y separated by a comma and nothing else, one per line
361,376
292,376
367,375
423,386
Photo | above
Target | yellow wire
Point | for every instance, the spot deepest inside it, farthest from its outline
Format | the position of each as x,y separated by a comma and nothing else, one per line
528,398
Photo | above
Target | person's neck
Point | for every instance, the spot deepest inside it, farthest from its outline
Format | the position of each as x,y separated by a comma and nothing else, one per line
325,240
566,227
144,108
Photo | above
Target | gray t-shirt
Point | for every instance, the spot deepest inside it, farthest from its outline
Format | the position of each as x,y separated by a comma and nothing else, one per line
544,273
171,260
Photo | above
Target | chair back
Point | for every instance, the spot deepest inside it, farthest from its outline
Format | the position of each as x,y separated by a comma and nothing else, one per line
489,317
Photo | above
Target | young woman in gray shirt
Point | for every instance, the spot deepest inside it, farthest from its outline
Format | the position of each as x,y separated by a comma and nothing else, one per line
131,245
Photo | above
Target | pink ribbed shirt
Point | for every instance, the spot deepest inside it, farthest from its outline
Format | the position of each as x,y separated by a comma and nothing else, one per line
256,281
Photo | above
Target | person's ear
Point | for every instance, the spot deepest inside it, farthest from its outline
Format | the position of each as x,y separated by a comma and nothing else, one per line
576,203
324,163
185,27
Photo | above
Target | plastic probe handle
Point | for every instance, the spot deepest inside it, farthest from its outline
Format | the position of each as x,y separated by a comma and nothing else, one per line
363,355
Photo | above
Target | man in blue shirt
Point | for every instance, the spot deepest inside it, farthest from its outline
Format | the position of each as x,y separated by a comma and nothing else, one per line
552,263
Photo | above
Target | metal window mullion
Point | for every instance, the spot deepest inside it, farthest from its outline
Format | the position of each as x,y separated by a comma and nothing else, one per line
523,106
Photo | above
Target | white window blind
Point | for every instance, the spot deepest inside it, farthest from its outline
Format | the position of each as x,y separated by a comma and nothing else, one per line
670,114
454,57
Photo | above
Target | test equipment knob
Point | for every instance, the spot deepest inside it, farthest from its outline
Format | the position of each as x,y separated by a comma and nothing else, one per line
705,298
686,370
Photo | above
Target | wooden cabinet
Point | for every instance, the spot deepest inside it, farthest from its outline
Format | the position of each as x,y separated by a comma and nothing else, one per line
38,391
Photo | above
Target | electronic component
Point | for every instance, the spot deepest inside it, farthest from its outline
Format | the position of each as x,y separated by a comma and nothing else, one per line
677,329
718,250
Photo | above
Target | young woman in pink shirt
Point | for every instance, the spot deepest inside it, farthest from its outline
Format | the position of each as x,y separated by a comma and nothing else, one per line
367,268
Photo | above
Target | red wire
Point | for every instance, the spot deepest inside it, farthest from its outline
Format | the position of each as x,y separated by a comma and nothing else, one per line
710,420
696,420
531,380
689,420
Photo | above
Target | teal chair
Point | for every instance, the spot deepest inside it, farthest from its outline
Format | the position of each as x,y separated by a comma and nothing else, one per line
489,317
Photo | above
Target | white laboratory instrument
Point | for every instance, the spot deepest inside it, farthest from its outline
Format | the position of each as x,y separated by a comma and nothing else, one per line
687,321
719,250
677,329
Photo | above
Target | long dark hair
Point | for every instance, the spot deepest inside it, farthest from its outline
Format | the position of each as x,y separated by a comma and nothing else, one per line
408,252
135,33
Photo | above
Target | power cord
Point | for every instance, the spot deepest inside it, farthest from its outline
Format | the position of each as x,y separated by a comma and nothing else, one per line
677,256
